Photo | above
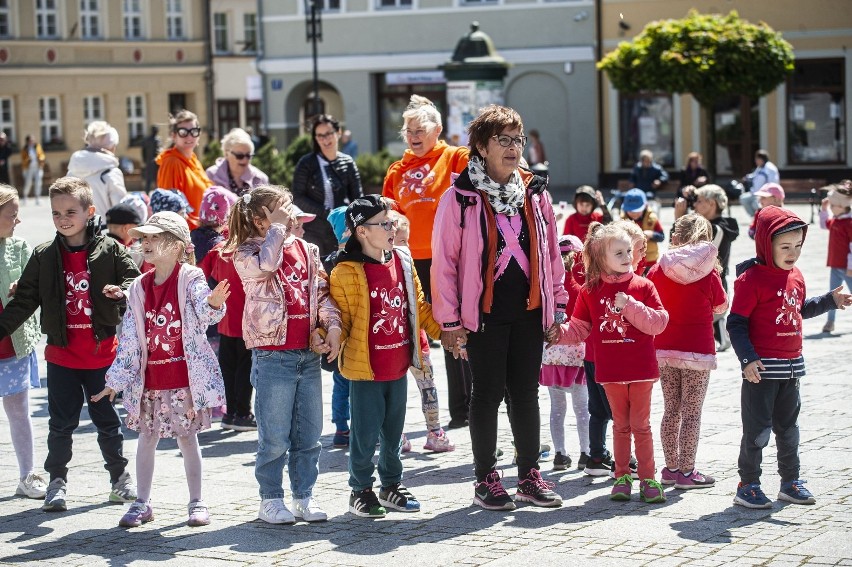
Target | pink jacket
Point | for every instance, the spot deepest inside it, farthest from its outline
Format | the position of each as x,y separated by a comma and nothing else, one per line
457,257
265,315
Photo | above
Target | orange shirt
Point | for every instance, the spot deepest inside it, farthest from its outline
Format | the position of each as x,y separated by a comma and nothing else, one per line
417,183
186,175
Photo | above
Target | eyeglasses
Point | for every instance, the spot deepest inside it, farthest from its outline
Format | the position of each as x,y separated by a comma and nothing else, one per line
184,132
241,157
388,225
507,141
326,136
415,133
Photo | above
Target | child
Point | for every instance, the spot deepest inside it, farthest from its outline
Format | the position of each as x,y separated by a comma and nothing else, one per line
170,200
286,297
436,439
562,373
300,217
839,261
382,308
18,363
766,331
635,207
165,366
769,194
212,220
621,312
687,280
586,200
78,280
120,219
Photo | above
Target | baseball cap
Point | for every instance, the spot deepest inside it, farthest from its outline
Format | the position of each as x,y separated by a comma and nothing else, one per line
569,243
634,200
771,190
123,213
302,215
363,209
337,220
164,221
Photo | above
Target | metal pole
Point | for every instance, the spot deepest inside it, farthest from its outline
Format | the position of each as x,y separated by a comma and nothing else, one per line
314,38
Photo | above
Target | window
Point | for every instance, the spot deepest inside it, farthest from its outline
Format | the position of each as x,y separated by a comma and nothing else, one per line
89,19
136,118
133,19
329,5
228,112
174,19
177,102
476,2
7,118
250,33
816,121
50,120
393,3
394,91
220,32
5,23
46,19
254,118
93,108
645,123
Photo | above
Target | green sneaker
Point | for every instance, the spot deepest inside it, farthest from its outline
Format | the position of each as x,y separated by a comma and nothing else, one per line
651,491
622,488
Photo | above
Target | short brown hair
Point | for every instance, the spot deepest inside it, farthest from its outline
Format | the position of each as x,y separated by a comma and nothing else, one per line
75,187
492,120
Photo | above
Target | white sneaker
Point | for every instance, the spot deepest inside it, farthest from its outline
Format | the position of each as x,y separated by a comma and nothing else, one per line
32,486
306,509
274,511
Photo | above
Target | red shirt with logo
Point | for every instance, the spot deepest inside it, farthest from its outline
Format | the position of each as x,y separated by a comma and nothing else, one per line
389,331
293,274
83,352
166,369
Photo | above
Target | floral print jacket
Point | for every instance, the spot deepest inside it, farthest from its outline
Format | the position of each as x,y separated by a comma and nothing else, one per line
127,373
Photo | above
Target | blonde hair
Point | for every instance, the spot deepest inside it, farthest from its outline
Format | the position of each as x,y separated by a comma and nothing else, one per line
7,194
594,251
691,228
249,207
633,230
713,193
100,135
74,187
420,109
236,137
185,257
182,116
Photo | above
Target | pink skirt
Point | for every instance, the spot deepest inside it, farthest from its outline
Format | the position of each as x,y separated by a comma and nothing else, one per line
169,413
561,376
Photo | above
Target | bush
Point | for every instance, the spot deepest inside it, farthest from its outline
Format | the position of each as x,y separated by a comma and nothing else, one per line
212,151
373,168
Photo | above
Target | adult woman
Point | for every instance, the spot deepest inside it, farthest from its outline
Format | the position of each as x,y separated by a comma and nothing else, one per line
693,173
32,167
498,294
180,168
98,166
417,182
323,180
235,170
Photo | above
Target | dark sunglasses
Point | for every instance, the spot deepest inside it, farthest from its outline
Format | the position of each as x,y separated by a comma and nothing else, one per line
241,157
184,132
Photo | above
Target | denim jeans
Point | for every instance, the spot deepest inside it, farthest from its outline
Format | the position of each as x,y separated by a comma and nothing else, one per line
836,277
750,203
288,409
340,401
599,413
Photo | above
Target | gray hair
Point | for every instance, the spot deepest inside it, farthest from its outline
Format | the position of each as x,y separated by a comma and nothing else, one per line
236,137
422,110
100,135
713,193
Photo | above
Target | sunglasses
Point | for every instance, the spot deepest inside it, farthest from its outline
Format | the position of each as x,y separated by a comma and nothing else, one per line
241,157
387,225
184,132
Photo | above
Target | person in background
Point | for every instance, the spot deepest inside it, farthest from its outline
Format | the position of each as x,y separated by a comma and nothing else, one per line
167,200
348,146
535,150
141,202
150,151
120,219
97,164
648,175
764,172
635,207
235,170
586,200
769,194
300,217
5,154
693,174
32,168
213,220
180,169
839,226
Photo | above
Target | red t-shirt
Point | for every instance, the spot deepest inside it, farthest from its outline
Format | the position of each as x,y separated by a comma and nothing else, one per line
771,298
166,369
622,352
293,274
578,224
839,239
83,351
389,332
7,349
220,266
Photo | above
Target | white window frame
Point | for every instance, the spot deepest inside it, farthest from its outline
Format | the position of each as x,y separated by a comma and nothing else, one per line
133,10
6,15
325,8
93,108
249,18
479,2
219,27
90,20
175,18
46,10
7,123
136,116
397,5
50,126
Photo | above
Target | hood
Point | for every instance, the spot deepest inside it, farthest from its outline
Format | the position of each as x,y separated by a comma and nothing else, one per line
174,153
688,264
728,225
410,160
768,221
84,163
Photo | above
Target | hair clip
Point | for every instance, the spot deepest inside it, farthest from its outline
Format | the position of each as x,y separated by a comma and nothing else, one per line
246,198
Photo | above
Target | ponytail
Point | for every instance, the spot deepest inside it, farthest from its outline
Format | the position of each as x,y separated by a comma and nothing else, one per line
241,225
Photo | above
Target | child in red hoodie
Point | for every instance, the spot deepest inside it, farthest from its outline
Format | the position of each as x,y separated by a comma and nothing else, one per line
765,326
586,200
839,202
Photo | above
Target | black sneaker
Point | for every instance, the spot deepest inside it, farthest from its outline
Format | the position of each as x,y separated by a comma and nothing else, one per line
244,423
633,465
228,421
365,504
584,459
536,490
598,467
456,423
491,495
561,462
398,497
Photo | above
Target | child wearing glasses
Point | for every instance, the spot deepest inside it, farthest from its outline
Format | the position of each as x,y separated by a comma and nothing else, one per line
382,308
180,168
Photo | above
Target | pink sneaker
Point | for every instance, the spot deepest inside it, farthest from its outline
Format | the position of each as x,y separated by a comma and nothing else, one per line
406,444
439,442
198,514
694,480
668,476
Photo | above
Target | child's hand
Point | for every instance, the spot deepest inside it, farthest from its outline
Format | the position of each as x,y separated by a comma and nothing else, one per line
824,204
318,342
113,292
842,300
13,287
552,334
460,349
751,371
450,340
105,392
599,198
332,342
620,300
281,213
219,295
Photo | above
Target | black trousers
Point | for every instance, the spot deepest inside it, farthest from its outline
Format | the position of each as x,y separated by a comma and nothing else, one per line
67,390
235,361
599,413
506,358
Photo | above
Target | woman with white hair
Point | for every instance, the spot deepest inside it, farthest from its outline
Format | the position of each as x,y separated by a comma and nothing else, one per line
97,164
235,170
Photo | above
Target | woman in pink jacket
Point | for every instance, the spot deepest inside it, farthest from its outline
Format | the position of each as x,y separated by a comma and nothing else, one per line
497,291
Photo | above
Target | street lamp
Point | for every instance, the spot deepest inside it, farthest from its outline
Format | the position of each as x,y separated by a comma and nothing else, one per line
313,29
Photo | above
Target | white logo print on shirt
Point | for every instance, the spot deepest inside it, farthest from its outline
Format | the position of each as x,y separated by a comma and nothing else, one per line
612,321
77,298
164,329
789,308
391,318
297,276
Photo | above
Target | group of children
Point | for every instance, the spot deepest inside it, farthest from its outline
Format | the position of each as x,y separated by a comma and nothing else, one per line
279,313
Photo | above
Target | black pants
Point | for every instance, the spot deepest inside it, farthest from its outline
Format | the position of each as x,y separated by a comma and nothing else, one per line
235,361
770,406
599,413
67,389
506,357
459,374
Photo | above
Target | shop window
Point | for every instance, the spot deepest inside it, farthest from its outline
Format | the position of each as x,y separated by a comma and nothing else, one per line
816,118
646,123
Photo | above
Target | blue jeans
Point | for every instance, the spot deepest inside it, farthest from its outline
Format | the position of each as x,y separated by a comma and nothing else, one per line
340,401
378,414
835,279
288,409
750,203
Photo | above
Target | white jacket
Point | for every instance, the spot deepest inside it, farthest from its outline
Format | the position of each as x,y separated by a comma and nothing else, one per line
100,170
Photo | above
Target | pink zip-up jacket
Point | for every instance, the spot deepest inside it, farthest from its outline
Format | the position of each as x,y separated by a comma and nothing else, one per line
265,315
458,245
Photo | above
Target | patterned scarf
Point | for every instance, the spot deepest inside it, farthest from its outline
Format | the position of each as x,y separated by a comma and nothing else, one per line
505,199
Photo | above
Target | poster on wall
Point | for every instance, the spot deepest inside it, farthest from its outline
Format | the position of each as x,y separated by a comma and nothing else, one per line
464,99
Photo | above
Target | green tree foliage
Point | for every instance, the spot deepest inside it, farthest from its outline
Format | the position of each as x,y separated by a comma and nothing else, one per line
373,168
710,56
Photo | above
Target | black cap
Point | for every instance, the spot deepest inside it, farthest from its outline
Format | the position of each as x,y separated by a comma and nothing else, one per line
123,213
363,209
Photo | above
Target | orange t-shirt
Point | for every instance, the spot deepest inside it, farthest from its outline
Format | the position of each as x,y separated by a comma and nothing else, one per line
186,175
417,183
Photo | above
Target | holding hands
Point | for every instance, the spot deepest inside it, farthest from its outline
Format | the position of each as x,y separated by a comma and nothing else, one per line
105,392
456,342
111,291
329,345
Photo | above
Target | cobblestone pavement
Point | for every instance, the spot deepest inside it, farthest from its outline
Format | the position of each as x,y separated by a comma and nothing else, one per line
699,528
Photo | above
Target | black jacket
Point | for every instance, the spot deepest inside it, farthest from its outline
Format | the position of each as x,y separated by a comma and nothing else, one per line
309,190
